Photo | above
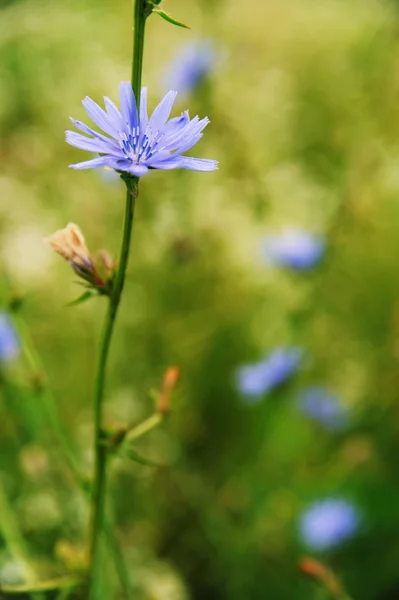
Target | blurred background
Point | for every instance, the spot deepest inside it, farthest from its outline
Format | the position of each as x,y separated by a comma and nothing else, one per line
272,284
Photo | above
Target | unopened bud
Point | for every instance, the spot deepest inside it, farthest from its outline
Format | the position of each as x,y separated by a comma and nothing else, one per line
323,575
170,379
70,244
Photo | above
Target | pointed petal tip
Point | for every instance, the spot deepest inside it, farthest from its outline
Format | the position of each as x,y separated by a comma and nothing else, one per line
171,93
125,84
200,164
213,165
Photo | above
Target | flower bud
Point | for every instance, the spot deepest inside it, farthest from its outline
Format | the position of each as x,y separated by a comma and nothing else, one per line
169,382
70,244
323,575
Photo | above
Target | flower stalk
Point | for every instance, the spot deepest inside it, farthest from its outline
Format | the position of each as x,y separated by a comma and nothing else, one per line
142,10
100,466
100,450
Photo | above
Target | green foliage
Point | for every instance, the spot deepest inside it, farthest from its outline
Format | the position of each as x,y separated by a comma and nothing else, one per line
304,121
82,298
164,15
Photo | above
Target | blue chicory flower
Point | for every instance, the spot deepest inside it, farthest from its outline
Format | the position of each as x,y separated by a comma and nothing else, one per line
9,343
324,407
257,379
294,248
138,143
328,523
191,65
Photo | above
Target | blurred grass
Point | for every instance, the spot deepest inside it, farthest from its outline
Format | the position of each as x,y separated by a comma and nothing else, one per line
304,121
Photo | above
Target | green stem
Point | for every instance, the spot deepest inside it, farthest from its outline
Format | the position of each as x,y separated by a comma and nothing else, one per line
44,586
122,570
99,485
141,13
9,531
150,423
100,466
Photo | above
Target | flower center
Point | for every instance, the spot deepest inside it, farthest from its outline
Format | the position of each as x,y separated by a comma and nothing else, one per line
139,149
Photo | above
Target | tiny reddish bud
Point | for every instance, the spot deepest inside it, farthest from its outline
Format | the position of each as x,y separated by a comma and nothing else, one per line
170,379
323,575
311,567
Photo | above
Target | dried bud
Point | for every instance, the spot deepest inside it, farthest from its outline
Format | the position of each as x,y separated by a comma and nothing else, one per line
71,245
323,575
169,382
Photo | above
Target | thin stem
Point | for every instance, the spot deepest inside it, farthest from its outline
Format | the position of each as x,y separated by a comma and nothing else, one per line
100,466
44,586
140,16
121,568
99,486
9,531
144,427
35,363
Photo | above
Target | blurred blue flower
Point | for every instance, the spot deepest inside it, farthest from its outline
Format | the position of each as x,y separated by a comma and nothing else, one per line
257,379
294,248
139,143
328,523
324,407
9,344
190,66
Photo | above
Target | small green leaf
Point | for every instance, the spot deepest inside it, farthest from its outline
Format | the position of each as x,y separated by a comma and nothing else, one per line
82,298
169,19
133,455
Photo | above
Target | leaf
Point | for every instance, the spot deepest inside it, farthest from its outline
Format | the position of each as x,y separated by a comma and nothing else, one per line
129,452
82,298
40,587
169,19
